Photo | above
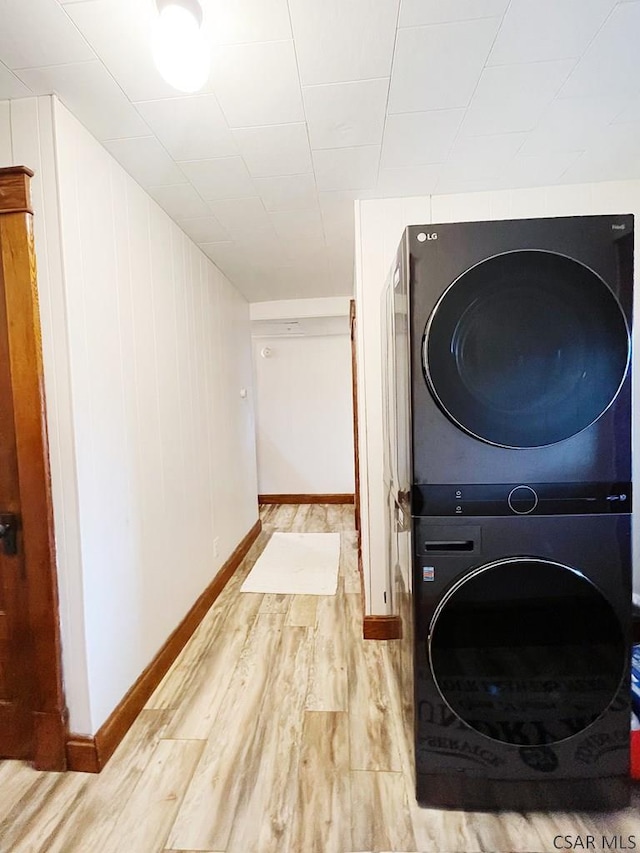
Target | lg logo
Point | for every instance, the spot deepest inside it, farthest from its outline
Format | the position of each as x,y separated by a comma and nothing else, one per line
422,236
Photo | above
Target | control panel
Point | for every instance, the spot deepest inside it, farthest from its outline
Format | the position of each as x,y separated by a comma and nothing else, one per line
521,499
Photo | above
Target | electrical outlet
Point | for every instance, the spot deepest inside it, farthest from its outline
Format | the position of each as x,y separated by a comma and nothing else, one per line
216,547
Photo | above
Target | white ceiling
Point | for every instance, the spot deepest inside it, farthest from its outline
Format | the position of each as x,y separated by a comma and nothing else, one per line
313,103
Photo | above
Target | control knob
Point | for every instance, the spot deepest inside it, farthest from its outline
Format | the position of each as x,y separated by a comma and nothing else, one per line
522,500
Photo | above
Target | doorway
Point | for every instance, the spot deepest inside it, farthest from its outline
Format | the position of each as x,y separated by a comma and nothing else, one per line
32,712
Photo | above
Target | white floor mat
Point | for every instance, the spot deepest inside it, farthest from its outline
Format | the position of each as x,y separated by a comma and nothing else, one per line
297,564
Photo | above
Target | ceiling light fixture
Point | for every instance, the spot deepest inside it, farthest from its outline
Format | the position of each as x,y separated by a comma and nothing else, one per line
179,47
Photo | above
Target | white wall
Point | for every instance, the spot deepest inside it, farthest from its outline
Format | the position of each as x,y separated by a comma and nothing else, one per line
379,227
146,348
28,140
6,145
304,415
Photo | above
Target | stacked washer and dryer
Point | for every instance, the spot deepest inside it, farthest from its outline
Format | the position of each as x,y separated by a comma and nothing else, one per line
513,340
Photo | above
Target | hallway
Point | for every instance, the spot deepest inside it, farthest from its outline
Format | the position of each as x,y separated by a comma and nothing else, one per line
275,730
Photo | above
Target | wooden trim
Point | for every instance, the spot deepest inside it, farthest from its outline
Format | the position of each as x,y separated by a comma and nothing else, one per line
15,195
18,262
305,499
90,754
82,754
382,628
50,730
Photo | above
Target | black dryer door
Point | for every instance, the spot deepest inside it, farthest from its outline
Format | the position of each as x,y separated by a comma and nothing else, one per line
526,349
527,651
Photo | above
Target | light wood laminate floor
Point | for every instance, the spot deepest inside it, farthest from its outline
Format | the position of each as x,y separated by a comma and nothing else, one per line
277,730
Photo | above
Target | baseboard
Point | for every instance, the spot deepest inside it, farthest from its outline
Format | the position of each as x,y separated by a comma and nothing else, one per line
382,628
306,499
49,738
82,754
89,754
376,627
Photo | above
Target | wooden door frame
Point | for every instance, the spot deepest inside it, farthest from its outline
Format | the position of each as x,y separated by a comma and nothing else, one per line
18,273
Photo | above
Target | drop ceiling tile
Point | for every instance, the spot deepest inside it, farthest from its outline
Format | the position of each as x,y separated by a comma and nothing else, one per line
299,225
39,33
478,163
340,285
411,139
612,154
258,84
415,13
338,40
318,258
262,249
338,215
241,275
251,286
91,94
408,180
146,161
538,170
299,282
568,123
304,248
120,33
11,86
341,265
222,177
241,21
281,149
203,229
453,181
190,128
338,203
548,29
612,61
342,115
220,250
291,192
511,98
336,230
347,168
180,201
482,156
261,288
630,112
241,217
266,288
342,252
228,258
437,67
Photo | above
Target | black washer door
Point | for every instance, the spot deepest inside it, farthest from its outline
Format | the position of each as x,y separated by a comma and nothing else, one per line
527,651
526,349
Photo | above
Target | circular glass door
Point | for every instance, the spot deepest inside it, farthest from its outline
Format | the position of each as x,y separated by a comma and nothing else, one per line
526,349
527,651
